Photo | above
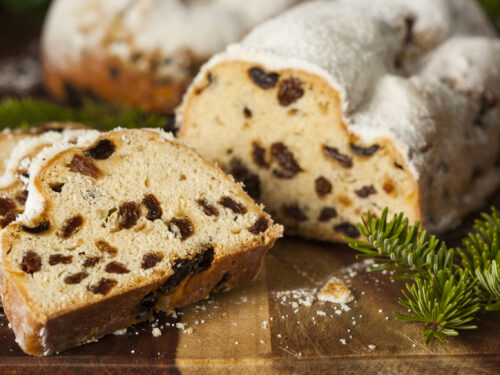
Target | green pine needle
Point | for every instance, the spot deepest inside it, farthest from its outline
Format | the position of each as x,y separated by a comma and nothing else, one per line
25,113
449,286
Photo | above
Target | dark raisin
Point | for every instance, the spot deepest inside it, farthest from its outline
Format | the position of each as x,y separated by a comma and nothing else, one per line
150,260
183,226
203,260
146,306
25,175
398,166
222,283
365,191
114,73
60,259
153,206
31,262
91,261
323,186
6,205
333,153
72,225
103,286
348,229
234,206
388,187
251,181
364,151
106,247
22,197
170,124
43,226
72,94
290,91
285,159
102,150
84,166
326,214
247,113
9,218
262,79
208,209
260,225
486,103
181,268
116,267
57,187
128,215
409,23
259,155
76,278
295,212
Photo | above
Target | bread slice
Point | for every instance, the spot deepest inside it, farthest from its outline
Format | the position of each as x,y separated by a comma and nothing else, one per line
336,108
118,225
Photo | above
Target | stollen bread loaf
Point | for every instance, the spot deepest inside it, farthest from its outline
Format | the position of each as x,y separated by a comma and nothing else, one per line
118,225
337,108
142,53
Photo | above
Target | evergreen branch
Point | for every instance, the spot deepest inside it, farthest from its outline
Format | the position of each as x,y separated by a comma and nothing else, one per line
25,113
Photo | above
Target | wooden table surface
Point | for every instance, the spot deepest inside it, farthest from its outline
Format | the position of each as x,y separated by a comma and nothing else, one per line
274,325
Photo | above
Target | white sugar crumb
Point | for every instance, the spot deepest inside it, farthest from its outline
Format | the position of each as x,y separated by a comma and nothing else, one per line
180,325
343,342
321,313
120,332
188,331
372,347
156,332
336,291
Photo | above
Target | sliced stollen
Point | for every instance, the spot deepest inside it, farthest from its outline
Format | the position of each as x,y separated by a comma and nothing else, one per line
337,108
118,225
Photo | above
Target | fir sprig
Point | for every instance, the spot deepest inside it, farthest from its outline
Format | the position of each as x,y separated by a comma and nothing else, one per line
448,286
25,113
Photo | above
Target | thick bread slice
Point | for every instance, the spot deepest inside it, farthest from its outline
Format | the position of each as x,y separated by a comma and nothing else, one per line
120,224
338,108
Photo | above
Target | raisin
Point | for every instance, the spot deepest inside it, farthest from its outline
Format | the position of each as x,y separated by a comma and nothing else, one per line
116,267
72,95
326,214
203,260
260,225
348,229
251,181
57,187
85,166
9,218
295,212
409,23
43,226
60,259
146,306
221,284
150,260
76,278
486,103
72,226
364,151
365,191
398,166
31,262
114,73
290,91
323,186
106,247
262,79
208,209
102,150
153,206
181,268
388,187
285,159
6,205
183,226
128,215
22,197
259,155
247,113
170,126
333,153
91,261
230,203
103,286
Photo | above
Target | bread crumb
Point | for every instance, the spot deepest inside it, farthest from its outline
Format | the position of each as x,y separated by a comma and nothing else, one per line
336,291
156,332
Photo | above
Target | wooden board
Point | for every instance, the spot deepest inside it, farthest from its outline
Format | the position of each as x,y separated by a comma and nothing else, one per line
253,330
